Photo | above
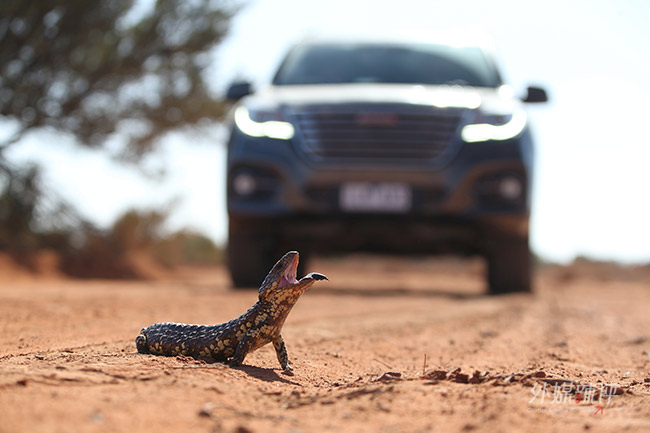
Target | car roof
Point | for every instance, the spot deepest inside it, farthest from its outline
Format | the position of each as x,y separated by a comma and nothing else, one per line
465,38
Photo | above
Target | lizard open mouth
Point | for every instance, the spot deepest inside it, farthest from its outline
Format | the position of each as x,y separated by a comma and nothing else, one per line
289,275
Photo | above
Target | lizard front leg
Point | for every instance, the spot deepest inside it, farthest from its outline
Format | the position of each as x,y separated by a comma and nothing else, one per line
281,352
245,345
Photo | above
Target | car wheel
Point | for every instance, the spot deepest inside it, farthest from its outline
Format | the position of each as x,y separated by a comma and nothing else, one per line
249,258
509,265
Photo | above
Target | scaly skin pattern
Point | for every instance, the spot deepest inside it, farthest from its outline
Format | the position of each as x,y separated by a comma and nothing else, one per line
233,340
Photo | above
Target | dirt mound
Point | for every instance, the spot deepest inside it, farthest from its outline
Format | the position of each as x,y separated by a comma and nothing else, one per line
44,264
10,270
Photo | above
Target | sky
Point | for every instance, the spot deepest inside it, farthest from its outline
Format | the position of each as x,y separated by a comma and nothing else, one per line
592,176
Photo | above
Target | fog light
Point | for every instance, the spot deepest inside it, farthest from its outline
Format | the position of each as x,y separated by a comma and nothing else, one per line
243,184
510,188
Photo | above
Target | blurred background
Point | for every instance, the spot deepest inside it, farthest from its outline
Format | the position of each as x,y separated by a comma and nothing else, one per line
112,143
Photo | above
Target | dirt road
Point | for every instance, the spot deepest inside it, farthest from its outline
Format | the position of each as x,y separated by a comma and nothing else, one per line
575,357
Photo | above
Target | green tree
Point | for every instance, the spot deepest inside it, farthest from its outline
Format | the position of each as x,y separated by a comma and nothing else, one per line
93,69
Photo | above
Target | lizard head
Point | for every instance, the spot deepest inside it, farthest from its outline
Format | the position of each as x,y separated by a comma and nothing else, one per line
281,281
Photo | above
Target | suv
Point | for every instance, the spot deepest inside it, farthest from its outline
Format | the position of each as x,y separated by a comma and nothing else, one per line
381,146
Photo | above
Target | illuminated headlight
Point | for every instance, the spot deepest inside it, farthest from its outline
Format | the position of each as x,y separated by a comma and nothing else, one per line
256,125
498,127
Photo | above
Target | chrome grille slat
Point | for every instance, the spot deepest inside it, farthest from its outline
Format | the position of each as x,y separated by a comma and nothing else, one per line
412,134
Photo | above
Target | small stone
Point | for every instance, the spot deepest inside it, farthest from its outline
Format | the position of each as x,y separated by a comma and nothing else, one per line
461,378
436,375
389,376
206,410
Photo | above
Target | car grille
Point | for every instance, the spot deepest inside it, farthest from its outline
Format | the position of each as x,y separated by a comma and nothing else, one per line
393,134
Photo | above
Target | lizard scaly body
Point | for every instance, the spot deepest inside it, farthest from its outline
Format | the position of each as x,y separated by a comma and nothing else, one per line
232,341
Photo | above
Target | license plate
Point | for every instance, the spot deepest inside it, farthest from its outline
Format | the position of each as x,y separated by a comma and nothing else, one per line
375,197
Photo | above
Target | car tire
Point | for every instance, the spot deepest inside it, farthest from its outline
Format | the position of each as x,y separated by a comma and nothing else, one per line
249,258
509,265
252,253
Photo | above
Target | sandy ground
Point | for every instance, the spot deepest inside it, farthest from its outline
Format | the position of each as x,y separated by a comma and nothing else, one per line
387,346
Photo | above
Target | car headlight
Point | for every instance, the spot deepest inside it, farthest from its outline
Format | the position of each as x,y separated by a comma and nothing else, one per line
260,123
495,127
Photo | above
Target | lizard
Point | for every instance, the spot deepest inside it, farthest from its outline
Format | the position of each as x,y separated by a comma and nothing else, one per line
233,340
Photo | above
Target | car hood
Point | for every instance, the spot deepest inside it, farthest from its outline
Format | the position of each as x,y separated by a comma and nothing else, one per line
494,100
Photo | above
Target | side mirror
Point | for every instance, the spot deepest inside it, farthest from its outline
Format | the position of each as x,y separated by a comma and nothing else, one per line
536,94
238,90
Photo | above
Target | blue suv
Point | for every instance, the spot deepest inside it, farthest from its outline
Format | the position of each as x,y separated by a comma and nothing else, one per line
397,146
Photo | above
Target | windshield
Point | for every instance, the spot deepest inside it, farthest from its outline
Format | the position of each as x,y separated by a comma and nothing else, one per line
387,63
